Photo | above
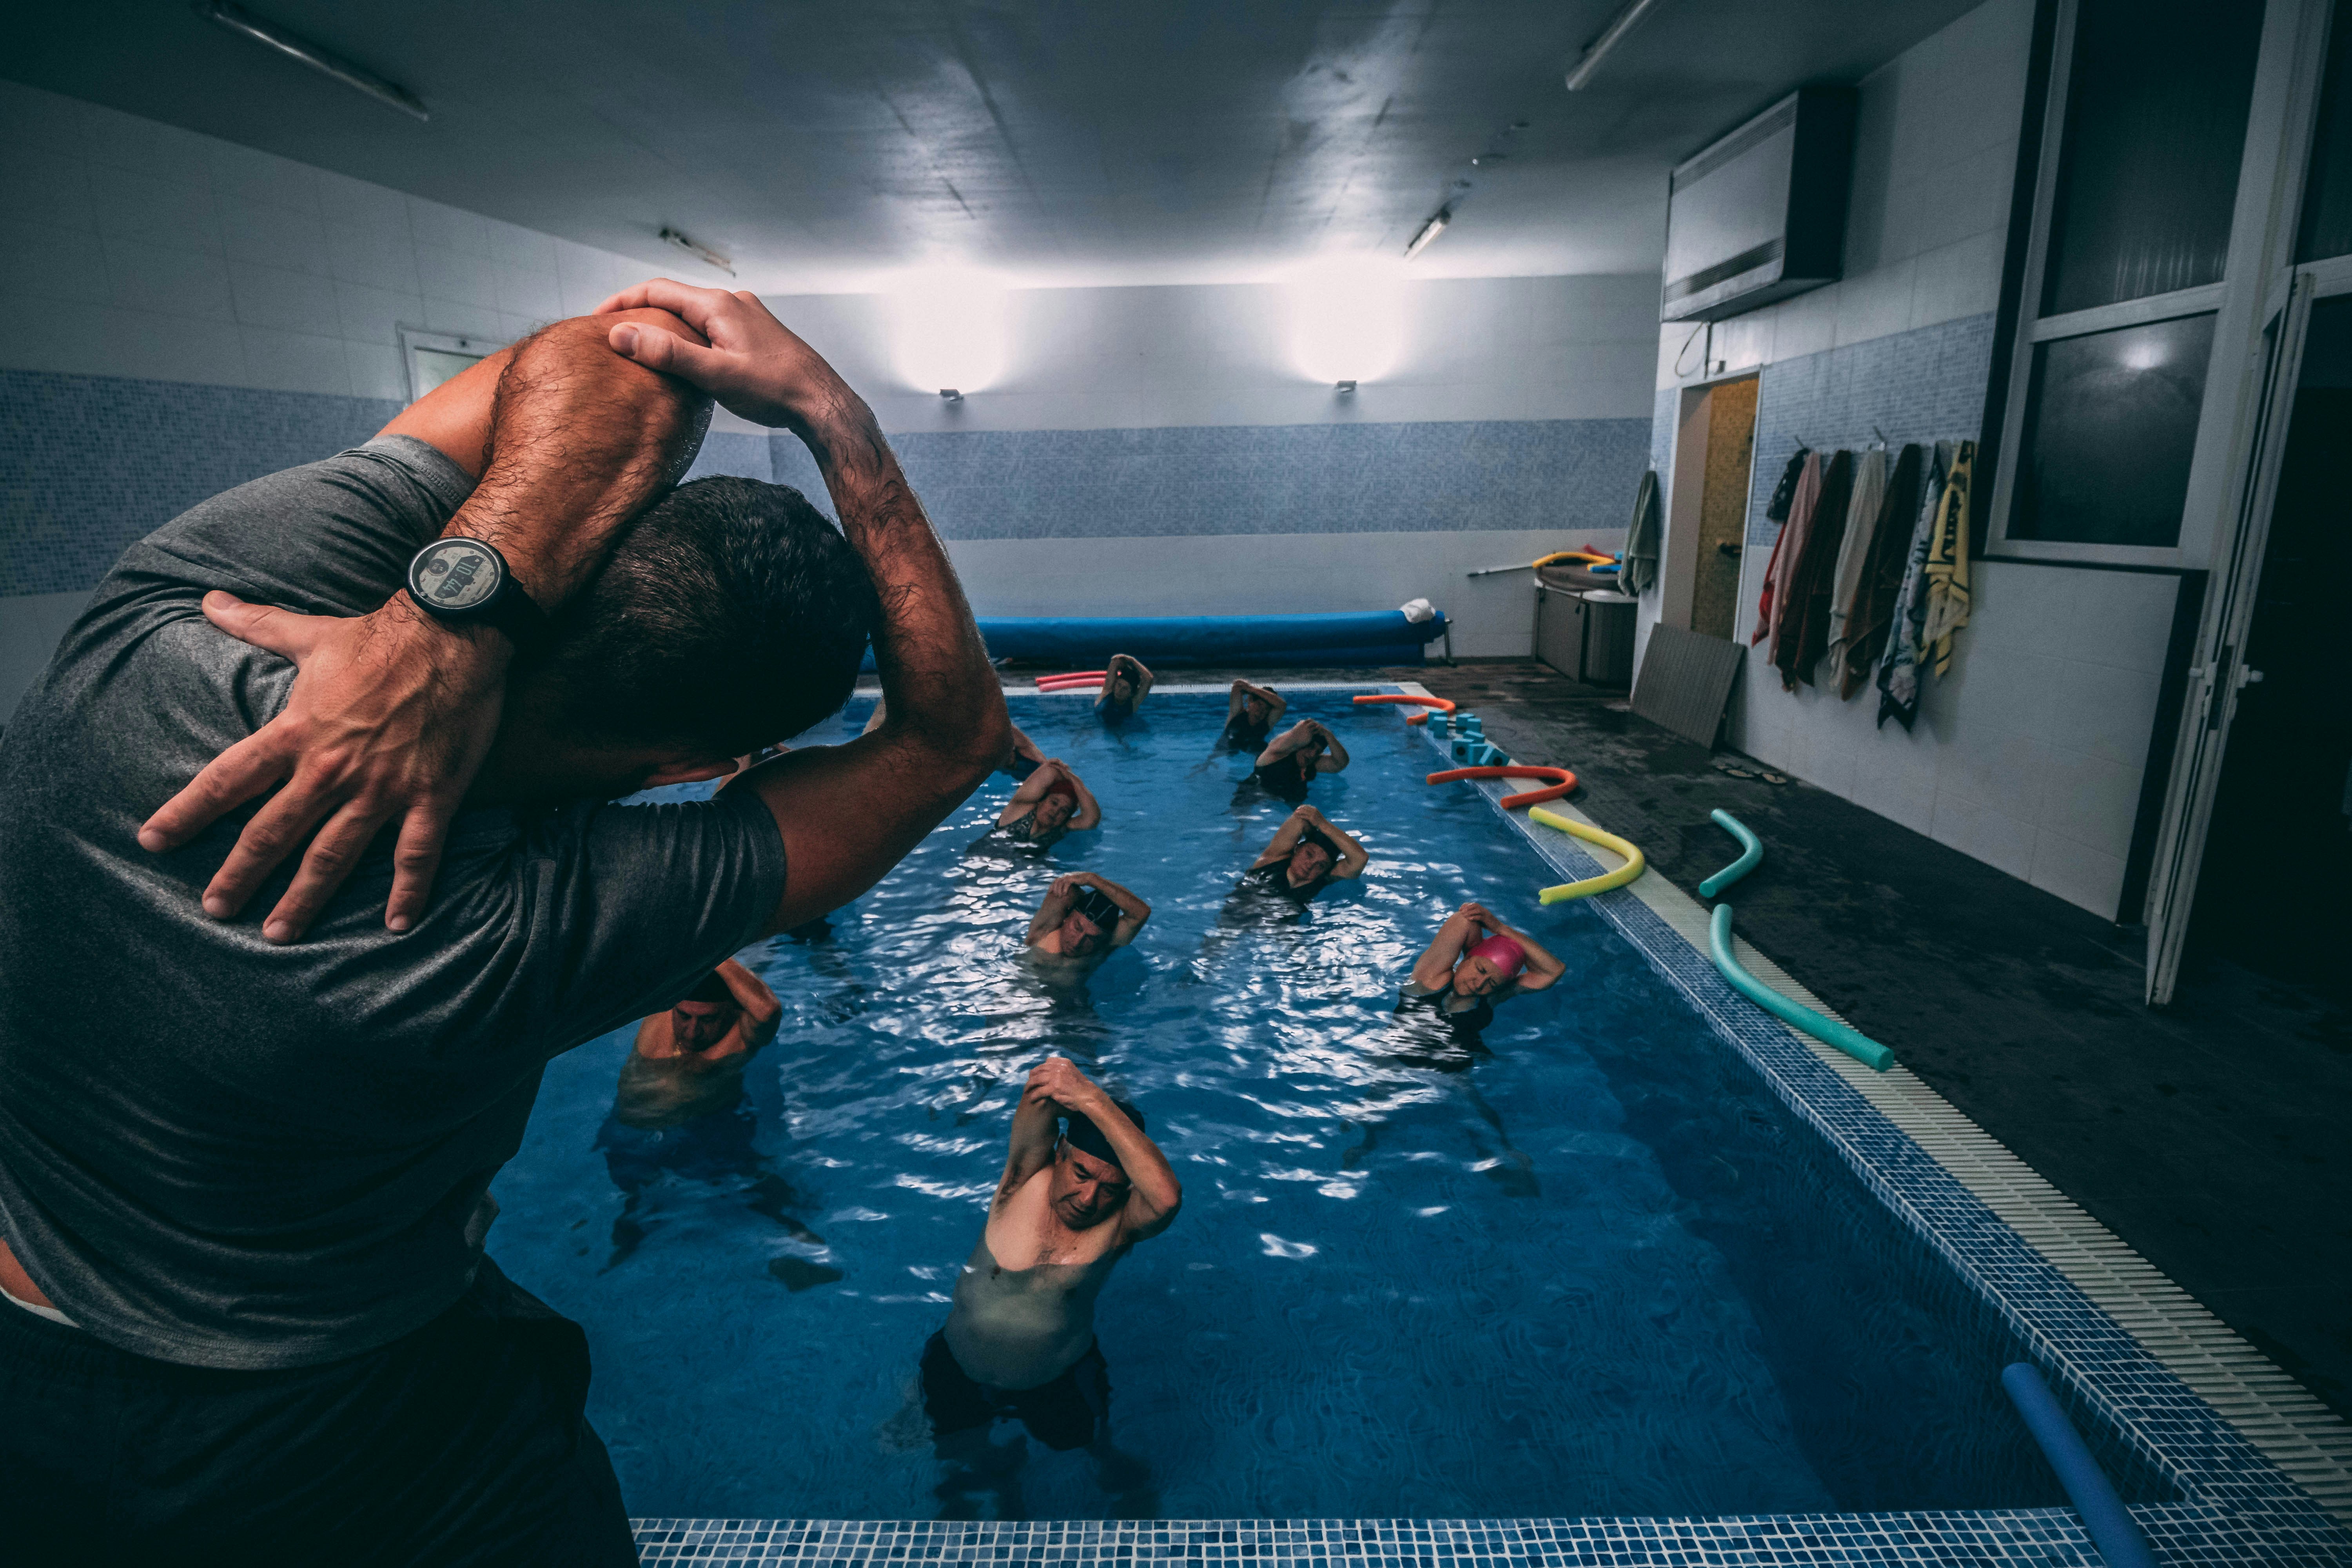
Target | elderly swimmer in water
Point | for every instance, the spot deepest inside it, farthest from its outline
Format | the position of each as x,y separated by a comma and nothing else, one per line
1084,917
1307,853
1020,1340
1475,962
1052,800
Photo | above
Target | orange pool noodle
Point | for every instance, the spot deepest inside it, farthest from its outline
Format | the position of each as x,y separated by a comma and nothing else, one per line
1427,704
1563,781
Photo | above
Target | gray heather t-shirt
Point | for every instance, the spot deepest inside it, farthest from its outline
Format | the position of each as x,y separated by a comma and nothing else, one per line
221,1152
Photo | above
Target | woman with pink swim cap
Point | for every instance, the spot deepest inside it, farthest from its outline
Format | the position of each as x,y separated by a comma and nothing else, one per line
1475,961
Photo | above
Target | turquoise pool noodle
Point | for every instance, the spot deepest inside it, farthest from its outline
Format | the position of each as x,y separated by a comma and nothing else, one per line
1851,1041
1751,855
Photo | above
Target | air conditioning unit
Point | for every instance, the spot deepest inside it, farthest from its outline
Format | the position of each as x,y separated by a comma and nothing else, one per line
1760,214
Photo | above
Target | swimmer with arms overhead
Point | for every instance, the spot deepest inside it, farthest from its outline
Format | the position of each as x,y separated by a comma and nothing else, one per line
1306,854
1085,916
1475,962
1125,684
1052,800
676,1069
1250,713
1020,1340
1290,763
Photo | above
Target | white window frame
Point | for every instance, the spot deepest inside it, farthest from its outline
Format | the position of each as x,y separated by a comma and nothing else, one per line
2234,302
414,338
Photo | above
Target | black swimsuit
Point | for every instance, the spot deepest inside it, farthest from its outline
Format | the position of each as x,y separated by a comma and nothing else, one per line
1284,778
1471,1020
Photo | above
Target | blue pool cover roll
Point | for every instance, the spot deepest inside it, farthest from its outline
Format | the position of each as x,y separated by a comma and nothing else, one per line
2108,1523
1383,637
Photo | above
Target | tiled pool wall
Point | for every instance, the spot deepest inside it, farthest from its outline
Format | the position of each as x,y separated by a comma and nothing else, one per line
2202,1492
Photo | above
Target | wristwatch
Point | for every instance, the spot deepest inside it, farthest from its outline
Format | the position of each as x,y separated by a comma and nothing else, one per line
467,582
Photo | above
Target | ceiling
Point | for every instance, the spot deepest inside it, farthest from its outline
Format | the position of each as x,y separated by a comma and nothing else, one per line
826,145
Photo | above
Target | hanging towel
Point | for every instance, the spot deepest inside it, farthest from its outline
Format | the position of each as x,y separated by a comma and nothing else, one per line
1784,494
1947,566
1860,529
1882,574
1641,567
1898,671
1774,598
1805,622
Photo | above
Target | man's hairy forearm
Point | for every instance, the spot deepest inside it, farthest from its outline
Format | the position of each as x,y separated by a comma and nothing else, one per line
580,439
942,693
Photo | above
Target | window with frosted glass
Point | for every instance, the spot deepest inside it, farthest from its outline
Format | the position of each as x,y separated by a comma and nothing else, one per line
2327,191
2111,422
2156,125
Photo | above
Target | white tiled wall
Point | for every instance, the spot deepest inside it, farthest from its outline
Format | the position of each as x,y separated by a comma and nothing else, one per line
2030,755
135,248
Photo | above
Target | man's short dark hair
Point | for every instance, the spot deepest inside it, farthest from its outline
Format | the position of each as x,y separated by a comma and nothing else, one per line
729,614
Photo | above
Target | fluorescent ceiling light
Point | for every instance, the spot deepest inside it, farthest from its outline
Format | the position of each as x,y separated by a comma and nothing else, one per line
701,253
1429,231
1618,25
237,19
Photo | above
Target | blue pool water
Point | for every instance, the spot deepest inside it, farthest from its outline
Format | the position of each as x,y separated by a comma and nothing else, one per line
1596,1269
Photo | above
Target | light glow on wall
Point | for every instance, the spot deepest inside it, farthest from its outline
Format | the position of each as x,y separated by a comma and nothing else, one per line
1346,319
950,328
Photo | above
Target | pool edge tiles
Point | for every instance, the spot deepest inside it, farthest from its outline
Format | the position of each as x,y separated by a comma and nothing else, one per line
2043,1538
2206,1410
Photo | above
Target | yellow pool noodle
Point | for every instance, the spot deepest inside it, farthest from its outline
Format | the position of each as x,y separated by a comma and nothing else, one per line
1631,856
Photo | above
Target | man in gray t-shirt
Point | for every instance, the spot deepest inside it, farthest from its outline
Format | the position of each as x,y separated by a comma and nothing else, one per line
222,1149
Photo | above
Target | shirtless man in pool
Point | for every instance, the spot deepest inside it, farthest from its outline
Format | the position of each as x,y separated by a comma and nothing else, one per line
1020,1340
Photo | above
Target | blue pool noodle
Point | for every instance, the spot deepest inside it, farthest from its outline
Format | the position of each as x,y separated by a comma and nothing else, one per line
1844,1036
2109,1524
1751,855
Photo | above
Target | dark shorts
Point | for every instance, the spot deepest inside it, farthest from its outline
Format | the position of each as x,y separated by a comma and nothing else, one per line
1064,1413
462,1443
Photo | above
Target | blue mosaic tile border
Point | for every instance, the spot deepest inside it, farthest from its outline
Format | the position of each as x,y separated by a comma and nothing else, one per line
1926,384
90,463
2102,1372
1435,477
2041,1538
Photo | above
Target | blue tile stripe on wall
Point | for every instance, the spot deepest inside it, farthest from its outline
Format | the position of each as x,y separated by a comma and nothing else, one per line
1924,385
89,464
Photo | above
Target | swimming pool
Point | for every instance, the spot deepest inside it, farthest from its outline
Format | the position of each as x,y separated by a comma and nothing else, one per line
1598,1268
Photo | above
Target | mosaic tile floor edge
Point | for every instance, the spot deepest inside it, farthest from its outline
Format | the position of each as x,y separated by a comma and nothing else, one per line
2041,1538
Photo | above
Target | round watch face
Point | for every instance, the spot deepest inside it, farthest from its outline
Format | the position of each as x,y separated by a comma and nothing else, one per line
455,576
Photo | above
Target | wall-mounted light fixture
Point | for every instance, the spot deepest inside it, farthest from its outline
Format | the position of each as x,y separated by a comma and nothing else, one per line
1618,25
326,62
949,332
1346,318
1429,231
701,253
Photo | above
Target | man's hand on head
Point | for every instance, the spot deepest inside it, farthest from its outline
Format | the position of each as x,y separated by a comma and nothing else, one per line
755,366
389,716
